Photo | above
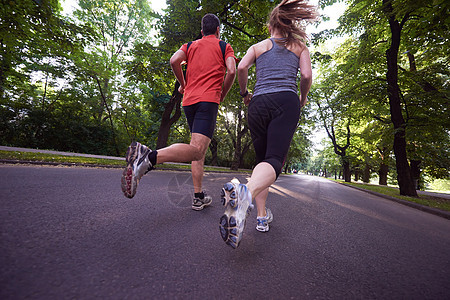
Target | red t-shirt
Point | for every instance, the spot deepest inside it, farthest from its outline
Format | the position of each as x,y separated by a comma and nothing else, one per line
206,70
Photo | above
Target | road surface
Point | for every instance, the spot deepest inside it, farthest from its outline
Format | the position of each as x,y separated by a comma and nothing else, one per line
69,233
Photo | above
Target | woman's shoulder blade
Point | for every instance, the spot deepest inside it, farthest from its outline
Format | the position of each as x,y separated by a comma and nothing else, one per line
262,47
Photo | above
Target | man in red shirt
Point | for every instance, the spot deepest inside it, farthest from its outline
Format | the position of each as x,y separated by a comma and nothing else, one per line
204,88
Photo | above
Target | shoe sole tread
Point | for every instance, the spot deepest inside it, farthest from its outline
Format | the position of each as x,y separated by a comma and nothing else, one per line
228,224
201,207
129,180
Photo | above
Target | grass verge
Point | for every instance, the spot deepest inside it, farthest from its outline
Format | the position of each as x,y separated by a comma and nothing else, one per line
81,160
427,200
46,157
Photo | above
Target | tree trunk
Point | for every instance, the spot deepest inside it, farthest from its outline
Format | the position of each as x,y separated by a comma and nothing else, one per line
166,119
105,95
356,174
245,148
237,153
5,66
347,173
382,174
415,173
404,178
238,149
366,175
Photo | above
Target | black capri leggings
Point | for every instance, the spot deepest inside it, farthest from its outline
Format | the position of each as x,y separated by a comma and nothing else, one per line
272,120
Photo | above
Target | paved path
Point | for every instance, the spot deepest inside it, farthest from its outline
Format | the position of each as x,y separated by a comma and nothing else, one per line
69,233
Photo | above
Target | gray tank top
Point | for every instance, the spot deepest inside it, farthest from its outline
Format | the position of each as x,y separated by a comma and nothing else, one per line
276,71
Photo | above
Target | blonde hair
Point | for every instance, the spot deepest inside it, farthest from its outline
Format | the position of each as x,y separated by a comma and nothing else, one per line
289,18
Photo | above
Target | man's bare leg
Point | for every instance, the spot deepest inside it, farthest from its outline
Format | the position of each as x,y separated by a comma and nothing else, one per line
201,200
197,169
194,151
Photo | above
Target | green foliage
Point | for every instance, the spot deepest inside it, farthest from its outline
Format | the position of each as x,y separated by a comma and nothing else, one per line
96,80
36,45
301,144
353,87
439,185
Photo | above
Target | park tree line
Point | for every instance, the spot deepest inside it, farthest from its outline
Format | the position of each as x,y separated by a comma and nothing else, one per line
383,95
100,78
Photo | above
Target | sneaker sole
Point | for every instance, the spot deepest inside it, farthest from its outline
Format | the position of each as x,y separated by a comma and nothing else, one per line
228,224
228,231
262,229
201,207
129,180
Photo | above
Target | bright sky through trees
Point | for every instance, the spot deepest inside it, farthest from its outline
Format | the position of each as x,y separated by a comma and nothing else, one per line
333,12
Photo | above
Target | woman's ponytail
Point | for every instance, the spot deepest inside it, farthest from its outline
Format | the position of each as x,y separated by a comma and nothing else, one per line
290,17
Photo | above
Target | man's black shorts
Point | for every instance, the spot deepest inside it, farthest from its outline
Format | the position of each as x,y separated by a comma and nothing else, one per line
202,117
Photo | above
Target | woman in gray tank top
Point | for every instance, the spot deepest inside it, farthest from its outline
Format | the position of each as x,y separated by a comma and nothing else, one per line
273,112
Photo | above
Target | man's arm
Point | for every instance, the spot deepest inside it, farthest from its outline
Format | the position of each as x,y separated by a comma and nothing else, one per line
175,62
229,78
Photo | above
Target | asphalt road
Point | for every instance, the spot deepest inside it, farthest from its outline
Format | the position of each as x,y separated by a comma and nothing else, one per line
68,233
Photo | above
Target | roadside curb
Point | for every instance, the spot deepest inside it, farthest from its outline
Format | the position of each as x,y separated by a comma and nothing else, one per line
431,210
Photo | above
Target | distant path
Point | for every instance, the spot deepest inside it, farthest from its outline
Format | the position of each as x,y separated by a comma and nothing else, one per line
69,233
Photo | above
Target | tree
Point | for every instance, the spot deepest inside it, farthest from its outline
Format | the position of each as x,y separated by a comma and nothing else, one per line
333,109
396,23
392,28
300,147
35,47
179,25
242,26
117,25
236,126
103,67
29,31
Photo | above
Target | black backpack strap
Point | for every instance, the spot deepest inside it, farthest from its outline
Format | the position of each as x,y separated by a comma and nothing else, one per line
223,47
188,45
222,44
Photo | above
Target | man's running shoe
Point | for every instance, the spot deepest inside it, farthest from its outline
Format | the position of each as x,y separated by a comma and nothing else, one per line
138,164
237,200
199,204
263,222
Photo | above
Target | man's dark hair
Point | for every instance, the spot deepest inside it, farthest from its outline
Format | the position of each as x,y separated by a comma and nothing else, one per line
210,22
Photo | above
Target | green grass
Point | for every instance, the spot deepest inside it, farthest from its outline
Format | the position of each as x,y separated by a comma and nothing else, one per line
430,201
45,157
81,160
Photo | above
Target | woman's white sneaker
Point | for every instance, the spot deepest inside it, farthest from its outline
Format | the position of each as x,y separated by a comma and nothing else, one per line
237,200
262,223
